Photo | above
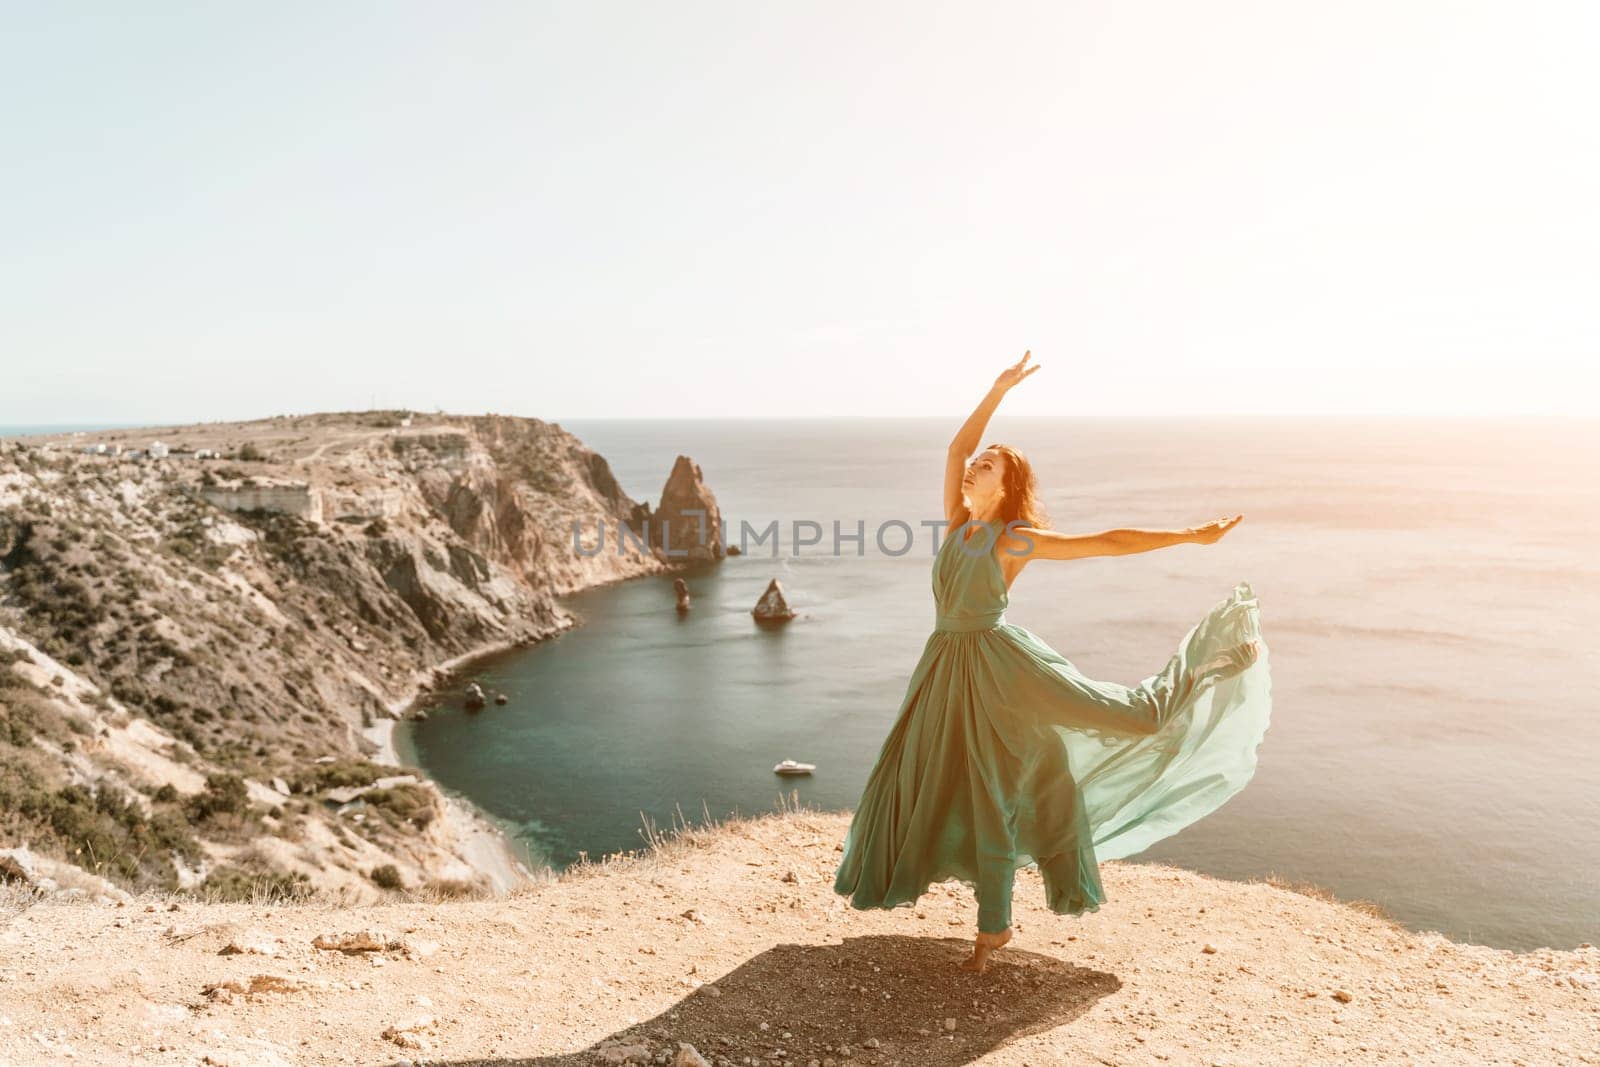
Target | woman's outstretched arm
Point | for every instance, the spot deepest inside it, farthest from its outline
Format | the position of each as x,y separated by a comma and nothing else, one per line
970,435
1049,544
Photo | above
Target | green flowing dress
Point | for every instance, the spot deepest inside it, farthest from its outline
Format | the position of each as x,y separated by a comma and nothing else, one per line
1005,755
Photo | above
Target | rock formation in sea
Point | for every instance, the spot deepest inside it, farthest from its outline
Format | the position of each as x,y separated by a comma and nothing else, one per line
773,605
176,634
687,523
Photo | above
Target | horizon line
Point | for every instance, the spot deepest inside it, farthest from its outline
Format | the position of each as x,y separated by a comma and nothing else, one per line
42,428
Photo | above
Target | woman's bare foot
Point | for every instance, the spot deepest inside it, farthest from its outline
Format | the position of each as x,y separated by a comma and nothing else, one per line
982,946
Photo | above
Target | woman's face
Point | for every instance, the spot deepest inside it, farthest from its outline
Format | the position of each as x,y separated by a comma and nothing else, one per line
982,483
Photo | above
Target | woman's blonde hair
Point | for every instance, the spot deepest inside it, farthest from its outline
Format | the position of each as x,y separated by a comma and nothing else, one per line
1020,505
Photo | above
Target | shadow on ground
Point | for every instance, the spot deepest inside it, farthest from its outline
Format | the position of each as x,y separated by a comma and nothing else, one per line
899,992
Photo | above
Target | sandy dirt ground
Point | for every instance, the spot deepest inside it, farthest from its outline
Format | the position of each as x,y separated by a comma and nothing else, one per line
731,940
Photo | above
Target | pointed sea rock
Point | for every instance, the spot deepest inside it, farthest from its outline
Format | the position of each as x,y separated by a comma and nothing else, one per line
773,605
676,524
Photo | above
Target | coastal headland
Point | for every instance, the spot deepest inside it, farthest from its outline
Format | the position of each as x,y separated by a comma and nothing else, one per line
209,632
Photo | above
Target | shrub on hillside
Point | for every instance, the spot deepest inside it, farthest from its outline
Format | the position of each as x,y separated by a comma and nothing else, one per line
341,774
224,794
238,883
411,803
98,828
387,877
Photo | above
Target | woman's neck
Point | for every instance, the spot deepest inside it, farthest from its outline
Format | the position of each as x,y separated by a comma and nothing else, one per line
984,520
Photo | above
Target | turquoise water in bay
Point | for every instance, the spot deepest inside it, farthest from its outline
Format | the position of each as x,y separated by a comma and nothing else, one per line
1428,587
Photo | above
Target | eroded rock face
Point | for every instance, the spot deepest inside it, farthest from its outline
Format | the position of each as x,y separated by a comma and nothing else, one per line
688,523
516,490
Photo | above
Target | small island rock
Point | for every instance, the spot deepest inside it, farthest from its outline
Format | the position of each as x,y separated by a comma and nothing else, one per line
773,605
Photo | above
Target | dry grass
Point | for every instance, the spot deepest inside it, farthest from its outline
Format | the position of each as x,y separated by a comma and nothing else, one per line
682,837
16,898
1317,892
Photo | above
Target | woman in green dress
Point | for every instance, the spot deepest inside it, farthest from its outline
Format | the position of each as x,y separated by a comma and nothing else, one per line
1005,755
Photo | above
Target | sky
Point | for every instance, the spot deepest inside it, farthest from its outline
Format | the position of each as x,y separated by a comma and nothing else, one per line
599,209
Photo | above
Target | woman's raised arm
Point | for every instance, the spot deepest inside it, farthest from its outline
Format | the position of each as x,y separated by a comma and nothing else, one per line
967,438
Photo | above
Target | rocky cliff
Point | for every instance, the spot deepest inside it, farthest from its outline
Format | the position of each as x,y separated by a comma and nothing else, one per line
198,656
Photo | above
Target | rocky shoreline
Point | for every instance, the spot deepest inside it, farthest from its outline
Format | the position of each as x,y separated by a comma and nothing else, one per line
480,841
484,844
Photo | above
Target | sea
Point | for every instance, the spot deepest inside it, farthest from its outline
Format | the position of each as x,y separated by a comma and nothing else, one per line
1429,592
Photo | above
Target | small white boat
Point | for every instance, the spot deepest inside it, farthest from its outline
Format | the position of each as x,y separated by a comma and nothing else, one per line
789,766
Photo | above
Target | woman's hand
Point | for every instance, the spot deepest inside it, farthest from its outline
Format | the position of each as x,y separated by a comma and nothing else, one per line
1212,532
1014,373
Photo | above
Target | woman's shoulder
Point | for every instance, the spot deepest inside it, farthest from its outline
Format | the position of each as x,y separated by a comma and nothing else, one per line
1019,540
